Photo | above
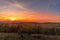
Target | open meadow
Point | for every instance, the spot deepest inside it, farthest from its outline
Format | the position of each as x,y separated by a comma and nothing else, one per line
29,31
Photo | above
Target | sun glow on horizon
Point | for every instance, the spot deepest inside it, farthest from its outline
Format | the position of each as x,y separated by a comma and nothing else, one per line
12,19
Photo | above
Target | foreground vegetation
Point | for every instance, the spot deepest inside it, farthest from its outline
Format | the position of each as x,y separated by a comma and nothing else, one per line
29,31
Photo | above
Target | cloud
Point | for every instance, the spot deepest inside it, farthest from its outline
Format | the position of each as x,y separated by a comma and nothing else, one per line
11,5
17,4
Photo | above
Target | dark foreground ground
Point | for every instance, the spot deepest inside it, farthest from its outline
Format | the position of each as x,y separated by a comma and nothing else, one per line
29,31
15,36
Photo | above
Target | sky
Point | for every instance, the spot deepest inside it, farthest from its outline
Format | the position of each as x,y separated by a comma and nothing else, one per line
31,10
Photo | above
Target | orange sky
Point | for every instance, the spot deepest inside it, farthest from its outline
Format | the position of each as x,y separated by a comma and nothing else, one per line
30,16
30,11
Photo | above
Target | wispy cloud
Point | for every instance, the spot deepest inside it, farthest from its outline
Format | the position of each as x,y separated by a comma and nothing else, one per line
17,4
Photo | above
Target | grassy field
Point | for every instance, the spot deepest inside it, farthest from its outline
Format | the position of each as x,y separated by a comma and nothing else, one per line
15,36
8,36
30,31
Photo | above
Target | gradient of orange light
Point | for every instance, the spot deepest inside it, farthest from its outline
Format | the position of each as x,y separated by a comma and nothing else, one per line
31,16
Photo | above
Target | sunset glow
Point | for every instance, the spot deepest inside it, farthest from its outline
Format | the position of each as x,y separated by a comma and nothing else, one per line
12,19
28,10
